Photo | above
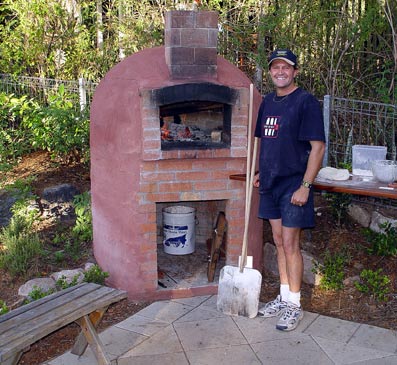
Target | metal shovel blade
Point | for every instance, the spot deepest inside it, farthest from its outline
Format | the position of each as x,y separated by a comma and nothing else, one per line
238,292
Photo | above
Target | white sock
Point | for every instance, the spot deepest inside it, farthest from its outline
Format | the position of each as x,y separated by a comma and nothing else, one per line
295,298
284,292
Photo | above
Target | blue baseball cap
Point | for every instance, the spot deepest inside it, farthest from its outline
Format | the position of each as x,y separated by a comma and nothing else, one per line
285,55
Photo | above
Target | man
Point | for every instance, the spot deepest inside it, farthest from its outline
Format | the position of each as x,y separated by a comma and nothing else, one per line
291,128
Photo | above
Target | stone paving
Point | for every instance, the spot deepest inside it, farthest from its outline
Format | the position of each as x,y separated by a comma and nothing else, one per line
193,331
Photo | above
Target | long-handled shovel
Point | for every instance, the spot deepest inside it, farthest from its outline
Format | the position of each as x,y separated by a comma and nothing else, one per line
239,287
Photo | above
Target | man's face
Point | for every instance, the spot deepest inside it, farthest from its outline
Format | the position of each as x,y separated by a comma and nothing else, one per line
282,74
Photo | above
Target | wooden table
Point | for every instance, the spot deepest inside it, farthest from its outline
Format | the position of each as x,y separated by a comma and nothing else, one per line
355,185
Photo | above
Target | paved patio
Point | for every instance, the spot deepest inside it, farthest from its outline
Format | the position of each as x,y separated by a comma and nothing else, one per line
192,331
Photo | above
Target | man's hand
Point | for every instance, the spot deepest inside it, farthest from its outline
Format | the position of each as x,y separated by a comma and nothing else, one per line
256,181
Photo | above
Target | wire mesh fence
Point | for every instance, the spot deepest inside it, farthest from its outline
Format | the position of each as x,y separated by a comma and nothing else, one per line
81,91
356,122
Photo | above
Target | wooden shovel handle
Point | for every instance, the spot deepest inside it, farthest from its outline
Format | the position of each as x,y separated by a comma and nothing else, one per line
250,182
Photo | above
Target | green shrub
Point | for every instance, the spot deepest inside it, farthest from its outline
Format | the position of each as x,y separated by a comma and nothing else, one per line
95,275
382,244
20,247
62,283
82,229
339,203
60,127
15,139
3,308
332,270
38,293
374,283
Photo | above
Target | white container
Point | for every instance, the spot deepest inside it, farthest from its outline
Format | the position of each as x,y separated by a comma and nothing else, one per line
384,170
179,230
364,155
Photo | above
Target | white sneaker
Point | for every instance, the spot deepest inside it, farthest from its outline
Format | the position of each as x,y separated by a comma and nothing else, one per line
290,318
273,308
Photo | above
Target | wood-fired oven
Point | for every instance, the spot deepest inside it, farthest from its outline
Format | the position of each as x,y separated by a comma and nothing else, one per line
168,127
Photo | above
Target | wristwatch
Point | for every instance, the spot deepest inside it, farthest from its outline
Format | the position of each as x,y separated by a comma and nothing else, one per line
306,184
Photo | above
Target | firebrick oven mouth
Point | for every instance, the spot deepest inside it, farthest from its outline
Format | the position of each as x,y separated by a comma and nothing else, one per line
195,115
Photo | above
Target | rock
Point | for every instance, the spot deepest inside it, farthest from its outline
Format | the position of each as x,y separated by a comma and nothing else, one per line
44,284
60,193
270,258
270,264
360,215
7,200
309,277
378,220
88,266
69,275
351,280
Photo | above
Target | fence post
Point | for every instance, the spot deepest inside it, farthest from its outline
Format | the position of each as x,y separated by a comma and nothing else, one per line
327,122
82,94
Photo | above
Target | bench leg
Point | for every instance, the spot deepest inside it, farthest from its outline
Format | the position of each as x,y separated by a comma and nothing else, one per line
90,336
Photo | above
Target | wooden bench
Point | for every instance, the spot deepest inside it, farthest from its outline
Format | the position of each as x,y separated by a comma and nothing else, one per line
84,303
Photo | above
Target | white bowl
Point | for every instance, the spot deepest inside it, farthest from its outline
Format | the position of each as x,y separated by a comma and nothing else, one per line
384,170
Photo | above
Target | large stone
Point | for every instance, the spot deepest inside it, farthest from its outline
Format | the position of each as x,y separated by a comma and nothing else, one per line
378,220
270,264
69,275
309,262
43,284
270,258
60,193
359,214
7,200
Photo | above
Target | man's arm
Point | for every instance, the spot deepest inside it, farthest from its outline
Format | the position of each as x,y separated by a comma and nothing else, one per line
313,167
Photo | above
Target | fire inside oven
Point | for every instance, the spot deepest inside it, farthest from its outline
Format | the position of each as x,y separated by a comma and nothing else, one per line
195,115
195,124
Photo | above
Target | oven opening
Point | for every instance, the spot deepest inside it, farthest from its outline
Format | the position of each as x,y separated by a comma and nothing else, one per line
195,125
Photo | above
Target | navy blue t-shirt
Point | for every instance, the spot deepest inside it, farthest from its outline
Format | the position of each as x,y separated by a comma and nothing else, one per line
285,126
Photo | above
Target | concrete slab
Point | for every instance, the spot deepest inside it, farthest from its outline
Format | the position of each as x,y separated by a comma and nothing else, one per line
164,359
193,302
332,329
142,325
230,355
211,333
167,311
297,349
342,353
375,338
116,341
163,342
199,314
261,329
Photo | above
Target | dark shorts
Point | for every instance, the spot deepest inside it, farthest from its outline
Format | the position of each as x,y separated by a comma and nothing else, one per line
275,203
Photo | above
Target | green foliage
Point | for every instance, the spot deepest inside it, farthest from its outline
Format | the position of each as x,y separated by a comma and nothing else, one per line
374,283
82,229
95,275
332,270
60,127
384,243
3,307
38,293
339,203
62,283
20,248
14,138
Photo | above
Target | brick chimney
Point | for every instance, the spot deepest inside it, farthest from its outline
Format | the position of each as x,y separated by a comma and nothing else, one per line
191,44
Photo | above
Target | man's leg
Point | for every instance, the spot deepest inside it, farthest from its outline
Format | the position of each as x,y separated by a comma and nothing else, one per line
293,257
294,267
277,306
